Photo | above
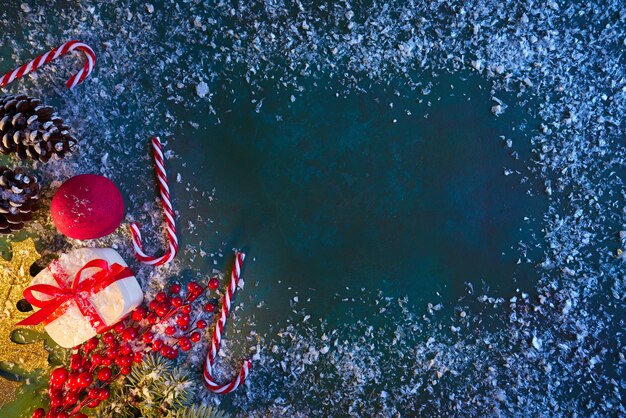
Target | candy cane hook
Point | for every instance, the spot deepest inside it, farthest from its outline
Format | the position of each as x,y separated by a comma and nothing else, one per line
42,60
217,337
167,211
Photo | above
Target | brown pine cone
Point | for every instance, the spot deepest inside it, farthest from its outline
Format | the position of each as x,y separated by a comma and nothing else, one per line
19,199
32,130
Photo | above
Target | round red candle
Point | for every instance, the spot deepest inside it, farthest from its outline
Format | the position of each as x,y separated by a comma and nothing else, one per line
87,206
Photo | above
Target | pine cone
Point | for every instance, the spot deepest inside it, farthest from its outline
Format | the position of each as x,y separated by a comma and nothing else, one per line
19,199
32,130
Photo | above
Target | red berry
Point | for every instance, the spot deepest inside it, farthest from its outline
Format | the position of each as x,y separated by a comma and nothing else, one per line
138,314
56,385
56,401
85,379
63,414
175,289
119,327
39,413
209,307
214,283
103,395
186,309
104,374
70,399
90,345
93,403
170,330
108,338
195,337
107,361
147,337
184,327
112,352
152,319
192,296
173,353
93,393
201,324
127,361
137,357
129,334
160,297
193,287
59,375
96,359
72,382
183,320
157,344
152,305
164,350
163,306
125,370
75,362
162,310
125,350
86,365
177,301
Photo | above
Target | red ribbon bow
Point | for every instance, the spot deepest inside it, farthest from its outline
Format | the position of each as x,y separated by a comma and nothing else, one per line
80,291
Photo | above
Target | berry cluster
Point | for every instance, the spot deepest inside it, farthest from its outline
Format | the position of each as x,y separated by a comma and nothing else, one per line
163,326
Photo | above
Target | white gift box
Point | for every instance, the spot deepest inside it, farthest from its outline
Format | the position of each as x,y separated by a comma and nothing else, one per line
112,303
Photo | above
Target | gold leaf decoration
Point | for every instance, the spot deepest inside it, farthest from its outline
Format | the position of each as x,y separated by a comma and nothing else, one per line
14,278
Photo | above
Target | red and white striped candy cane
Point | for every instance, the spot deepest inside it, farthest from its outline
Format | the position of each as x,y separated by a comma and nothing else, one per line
159,161
217,337
42,60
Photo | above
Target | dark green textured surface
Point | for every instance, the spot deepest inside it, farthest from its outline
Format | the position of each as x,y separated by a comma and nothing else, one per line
335,194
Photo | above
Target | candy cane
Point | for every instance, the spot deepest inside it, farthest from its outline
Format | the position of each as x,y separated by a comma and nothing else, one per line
167,210
42,60
217,337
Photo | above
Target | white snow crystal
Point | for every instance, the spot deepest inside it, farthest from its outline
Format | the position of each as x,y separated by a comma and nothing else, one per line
536,343
202,89
477,65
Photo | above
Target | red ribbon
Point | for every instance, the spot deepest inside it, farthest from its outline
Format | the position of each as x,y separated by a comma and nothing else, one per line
79,292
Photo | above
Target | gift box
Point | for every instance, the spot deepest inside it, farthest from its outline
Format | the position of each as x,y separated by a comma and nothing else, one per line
81,294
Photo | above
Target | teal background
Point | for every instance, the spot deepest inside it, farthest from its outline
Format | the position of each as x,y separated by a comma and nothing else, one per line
336,194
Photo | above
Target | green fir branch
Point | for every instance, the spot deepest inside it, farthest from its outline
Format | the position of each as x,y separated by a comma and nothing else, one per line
199,412
156,388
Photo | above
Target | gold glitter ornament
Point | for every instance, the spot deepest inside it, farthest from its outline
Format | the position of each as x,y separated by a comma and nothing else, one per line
18,359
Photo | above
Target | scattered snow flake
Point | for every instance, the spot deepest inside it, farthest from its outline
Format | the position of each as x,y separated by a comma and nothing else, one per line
202,89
